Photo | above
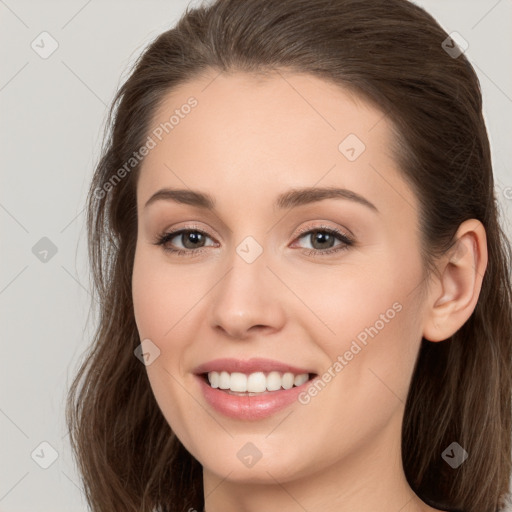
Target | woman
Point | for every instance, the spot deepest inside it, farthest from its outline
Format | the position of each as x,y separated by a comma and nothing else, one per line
235,368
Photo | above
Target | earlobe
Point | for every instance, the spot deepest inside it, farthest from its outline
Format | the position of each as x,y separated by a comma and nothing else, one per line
453,297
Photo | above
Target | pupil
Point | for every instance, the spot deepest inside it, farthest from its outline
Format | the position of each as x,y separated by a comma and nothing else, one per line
194,236
322,235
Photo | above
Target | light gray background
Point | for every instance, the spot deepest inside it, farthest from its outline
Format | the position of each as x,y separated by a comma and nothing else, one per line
52,115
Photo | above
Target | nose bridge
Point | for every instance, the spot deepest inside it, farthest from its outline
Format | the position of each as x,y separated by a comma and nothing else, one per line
243,298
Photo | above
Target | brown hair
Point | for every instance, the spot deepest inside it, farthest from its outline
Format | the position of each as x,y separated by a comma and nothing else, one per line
390,53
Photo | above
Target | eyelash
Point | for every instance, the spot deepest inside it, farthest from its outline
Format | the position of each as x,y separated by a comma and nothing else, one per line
167,236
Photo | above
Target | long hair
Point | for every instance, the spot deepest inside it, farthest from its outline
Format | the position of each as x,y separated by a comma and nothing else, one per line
392,55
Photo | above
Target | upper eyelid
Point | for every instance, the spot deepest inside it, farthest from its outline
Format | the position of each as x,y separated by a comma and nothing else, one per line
342,231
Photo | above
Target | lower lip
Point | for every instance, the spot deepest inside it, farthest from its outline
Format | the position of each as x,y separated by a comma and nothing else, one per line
247,407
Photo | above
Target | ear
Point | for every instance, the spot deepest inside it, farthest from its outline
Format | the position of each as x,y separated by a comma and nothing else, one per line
453,296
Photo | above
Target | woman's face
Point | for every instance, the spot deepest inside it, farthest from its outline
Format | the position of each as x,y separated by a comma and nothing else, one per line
254,280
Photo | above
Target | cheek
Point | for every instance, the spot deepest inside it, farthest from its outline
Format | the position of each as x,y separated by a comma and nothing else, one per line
343,301
370,319
368,366
161,296
160,313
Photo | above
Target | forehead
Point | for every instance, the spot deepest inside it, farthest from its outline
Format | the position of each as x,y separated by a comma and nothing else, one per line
247,136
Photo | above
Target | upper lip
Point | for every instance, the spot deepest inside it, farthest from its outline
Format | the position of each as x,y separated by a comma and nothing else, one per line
248,366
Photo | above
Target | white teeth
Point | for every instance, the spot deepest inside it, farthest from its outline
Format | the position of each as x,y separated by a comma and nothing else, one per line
238,382
274,381
256,382
214,379
223,380
288,380
300,379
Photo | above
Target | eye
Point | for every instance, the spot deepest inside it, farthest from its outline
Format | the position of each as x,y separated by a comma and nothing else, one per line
192,241
323,238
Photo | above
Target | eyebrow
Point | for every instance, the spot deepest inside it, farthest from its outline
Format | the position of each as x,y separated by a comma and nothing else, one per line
290,199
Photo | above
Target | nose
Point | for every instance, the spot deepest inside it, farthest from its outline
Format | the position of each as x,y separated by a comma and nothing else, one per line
248,301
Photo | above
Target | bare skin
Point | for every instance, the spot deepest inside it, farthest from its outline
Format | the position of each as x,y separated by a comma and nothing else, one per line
247,141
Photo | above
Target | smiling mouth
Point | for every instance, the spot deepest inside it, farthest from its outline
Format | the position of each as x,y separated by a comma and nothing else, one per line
255,384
